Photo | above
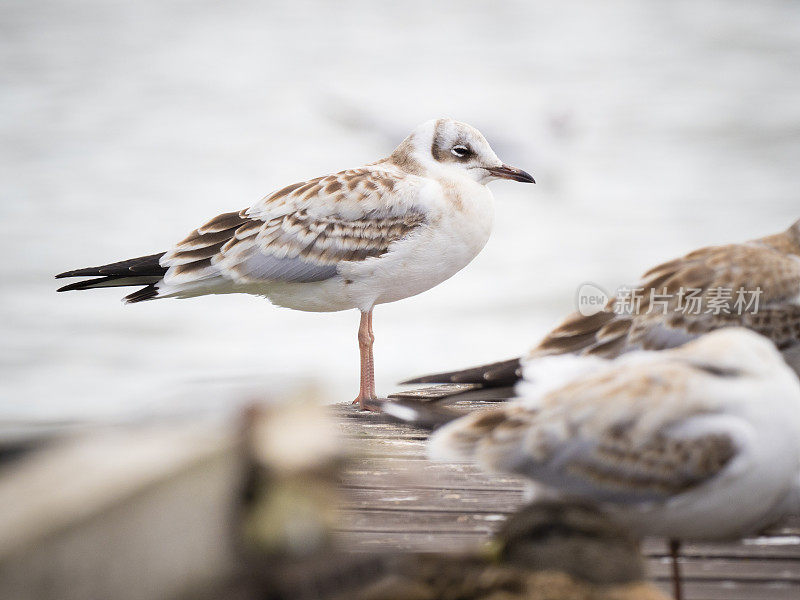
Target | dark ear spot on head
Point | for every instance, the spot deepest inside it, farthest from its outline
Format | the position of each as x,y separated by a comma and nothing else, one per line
437,151
455,152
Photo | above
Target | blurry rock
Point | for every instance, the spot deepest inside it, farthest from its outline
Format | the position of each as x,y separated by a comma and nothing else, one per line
290,495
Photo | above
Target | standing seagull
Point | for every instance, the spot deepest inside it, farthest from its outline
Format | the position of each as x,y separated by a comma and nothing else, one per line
357,238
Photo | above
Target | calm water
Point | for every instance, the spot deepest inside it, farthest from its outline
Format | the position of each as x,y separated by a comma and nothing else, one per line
651,127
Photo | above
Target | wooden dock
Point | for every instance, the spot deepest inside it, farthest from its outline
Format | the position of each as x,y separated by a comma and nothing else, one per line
400,500
146,512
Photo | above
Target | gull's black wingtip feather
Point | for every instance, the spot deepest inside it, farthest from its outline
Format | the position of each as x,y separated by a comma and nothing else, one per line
86,272
503,373
149,265
143,270
77,273
149,292
86,284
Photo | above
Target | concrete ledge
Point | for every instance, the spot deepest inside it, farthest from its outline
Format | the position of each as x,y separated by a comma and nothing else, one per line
134,513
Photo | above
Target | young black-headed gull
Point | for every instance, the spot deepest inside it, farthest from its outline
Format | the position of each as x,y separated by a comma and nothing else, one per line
700,442
753,284
354,239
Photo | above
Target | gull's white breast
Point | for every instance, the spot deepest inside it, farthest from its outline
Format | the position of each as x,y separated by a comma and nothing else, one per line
459,218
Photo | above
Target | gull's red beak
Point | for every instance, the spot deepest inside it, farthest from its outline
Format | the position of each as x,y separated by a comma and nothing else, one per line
513,173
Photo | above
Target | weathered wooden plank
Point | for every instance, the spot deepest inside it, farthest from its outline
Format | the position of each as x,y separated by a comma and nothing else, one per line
393,472
734,590
738,549
394,447
437,392
480,398
425,516
350,428
433,499
462,539
743,569
369,541
420,522
462,402
429,498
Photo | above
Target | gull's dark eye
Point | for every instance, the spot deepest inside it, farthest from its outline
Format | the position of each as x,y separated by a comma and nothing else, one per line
460,151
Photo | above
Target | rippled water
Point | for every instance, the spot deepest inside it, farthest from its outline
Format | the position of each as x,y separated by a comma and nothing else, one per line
651,127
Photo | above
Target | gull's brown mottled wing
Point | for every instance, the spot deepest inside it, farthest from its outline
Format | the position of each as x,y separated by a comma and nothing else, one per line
623,435
298,234
684,298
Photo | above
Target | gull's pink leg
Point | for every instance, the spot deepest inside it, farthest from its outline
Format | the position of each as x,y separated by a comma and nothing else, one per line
366,338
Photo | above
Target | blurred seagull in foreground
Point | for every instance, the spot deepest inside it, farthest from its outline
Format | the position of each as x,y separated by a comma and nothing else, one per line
361,237
548,550
290,492
701,442
753,284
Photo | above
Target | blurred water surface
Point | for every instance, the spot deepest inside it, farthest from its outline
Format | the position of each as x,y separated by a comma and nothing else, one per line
651,127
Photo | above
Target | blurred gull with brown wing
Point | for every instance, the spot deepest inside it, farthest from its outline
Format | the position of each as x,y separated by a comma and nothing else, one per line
361,237
700,442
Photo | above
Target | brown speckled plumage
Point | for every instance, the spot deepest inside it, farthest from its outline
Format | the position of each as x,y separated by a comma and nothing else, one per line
310,228
771,264
625,416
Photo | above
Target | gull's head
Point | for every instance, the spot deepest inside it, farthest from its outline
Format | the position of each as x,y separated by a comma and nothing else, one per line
448,147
